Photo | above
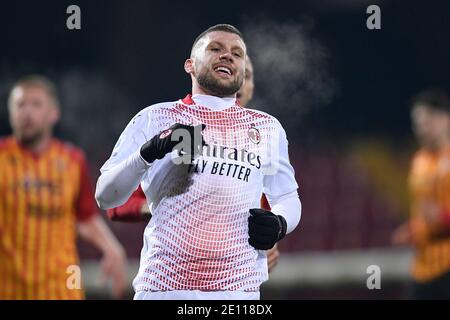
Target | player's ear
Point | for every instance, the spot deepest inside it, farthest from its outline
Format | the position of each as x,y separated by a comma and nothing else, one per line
189,66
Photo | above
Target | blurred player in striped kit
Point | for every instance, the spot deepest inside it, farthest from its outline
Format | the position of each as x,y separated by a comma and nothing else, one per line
136,208
203,163
45,194
428,229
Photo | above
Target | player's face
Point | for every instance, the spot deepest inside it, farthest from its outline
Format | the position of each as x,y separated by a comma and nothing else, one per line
219,63
245,93
430,125
32,113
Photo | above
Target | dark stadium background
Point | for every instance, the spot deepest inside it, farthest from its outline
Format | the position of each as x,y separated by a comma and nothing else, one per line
348,123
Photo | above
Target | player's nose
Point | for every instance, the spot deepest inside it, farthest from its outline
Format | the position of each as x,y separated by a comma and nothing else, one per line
226,56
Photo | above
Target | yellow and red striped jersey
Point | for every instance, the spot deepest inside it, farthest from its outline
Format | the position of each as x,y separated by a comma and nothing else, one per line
430,184
42,196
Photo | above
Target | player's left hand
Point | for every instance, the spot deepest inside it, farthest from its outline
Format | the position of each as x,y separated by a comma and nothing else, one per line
430,212
113,266
265,229
402,235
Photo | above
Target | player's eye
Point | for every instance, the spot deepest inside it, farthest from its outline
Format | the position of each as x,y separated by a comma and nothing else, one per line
37,104
215,49
237,54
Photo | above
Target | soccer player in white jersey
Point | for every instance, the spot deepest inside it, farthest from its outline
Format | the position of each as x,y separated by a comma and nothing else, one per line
203,163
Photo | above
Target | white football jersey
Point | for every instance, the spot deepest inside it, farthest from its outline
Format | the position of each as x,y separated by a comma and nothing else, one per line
197,238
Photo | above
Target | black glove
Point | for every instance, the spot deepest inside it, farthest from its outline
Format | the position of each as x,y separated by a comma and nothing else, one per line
161,144
265,229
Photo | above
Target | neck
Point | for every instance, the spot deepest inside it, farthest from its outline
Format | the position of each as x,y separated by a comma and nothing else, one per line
437,145
443,142
37,145
197,89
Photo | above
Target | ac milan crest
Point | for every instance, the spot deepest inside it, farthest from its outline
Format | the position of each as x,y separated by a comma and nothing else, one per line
254,135
165,133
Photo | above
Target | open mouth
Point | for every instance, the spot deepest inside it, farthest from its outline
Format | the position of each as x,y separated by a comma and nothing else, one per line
223,70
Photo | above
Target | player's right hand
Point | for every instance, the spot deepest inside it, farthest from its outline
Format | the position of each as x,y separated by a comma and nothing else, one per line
183,138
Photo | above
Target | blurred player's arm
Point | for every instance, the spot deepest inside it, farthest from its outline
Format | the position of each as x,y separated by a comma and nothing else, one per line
134,210
402,235
113,263
435,213
93,229
272,257
432,220
417,229
437,219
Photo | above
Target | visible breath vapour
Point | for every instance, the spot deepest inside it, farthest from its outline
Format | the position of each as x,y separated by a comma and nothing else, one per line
290,67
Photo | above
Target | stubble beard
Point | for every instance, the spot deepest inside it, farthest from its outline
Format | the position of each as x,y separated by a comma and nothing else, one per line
217,88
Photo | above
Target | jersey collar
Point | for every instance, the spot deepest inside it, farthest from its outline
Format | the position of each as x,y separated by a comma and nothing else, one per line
211,102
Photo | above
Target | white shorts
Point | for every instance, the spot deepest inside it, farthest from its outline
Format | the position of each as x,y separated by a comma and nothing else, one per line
196,295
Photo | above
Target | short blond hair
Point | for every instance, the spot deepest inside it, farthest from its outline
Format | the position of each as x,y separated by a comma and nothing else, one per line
36,81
